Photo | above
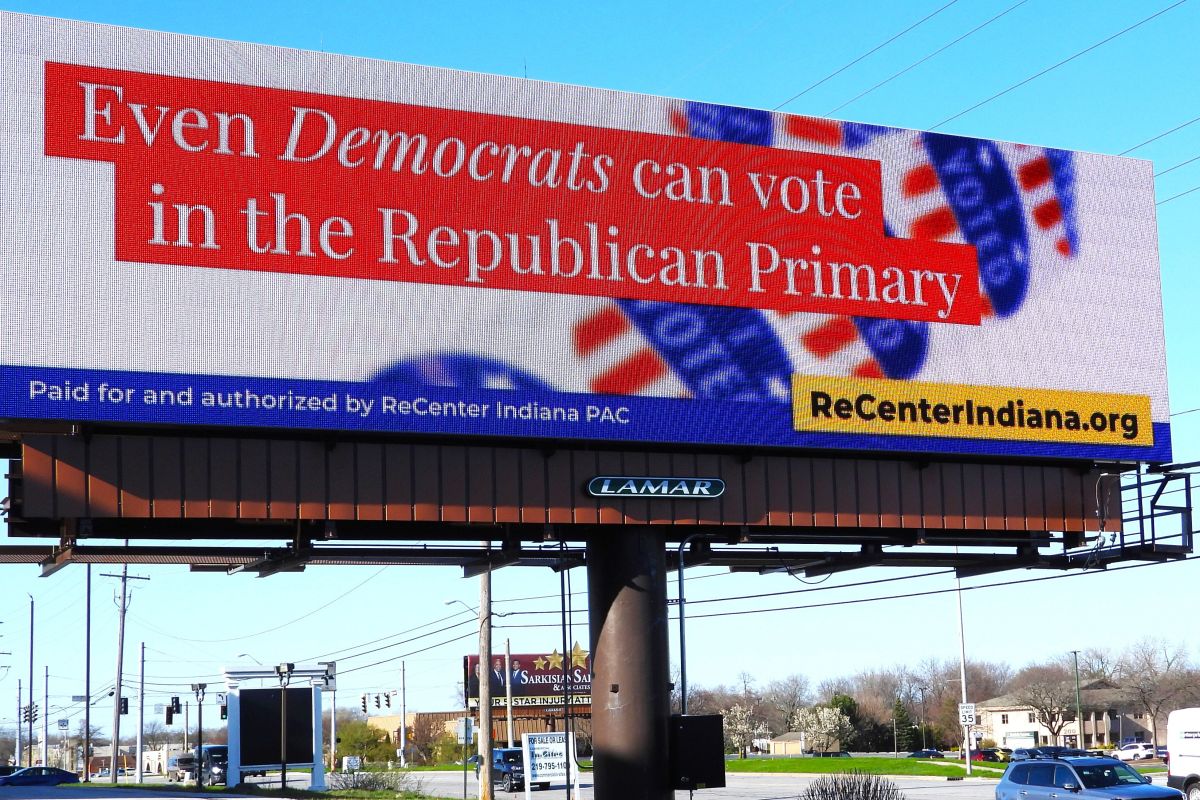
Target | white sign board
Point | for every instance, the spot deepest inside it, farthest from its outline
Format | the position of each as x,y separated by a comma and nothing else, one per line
351,763
63,724
549,758
465,730
966,713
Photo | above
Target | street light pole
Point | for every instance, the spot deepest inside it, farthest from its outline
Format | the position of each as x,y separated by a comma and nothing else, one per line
284,671
923,690
1078,704
485,687
199,688
683,692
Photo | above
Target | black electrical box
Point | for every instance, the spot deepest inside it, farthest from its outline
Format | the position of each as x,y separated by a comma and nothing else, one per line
697,751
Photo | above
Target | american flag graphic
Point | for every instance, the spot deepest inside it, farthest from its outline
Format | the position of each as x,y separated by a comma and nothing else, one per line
1014,203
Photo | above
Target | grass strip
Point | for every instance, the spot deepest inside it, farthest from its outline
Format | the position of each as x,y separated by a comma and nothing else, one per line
873,766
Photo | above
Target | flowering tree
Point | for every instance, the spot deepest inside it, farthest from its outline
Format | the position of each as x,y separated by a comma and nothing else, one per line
739,726
824,728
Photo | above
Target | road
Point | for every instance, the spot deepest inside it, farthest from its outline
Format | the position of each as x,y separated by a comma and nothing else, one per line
742,786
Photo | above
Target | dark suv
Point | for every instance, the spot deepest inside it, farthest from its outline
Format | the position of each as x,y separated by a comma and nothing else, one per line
1078,777
508,769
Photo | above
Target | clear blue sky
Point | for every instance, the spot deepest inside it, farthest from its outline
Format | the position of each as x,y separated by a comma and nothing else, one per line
1124,92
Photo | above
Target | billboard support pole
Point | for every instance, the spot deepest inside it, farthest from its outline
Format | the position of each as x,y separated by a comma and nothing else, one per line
631,700
485,686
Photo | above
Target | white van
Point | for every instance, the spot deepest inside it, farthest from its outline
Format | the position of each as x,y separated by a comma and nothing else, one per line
1183,750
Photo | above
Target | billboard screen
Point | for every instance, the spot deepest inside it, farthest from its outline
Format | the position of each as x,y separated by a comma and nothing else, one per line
202,232
537,678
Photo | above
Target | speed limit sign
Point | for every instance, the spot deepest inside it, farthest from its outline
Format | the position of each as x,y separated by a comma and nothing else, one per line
966,713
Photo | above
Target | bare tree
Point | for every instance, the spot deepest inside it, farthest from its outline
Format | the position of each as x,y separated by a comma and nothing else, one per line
830,687
155,734
1155,676
783,698
1099,664
1050,691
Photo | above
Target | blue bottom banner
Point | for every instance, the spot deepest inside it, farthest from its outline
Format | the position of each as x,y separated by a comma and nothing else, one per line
389,406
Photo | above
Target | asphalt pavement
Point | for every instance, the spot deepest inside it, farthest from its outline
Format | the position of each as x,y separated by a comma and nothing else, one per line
742,786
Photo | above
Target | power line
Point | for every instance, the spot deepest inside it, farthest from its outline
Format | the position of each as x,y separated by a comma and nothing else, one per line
873,50
1053,67
406,655
919,62
1177,166
1161,135
1176,197
935,591
383,638
273,628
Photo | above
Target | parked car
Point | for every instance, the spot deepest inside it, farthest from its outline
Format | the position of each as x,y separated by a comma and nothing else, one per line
39,776
1134,751
1079,778
926,753
986,754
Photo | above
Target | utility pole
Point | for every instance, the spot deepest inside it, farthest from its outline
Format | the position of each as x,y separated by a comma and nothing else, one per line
116,735
46,719
122,607
30,737
141,713
485,686
87,678
20,744
962,668
508,689
403,719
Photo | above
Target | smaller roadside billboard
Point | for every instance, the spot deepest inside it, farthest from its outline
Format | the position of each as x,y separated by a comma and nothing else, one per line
537,679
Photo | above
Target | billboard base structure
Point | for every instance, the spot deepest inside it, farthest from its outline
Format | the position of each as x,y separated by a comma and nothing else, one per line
358,502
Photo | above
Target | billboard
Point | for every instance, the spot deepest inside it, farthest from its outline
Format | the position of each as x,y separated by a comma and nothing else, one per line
212,233
538,679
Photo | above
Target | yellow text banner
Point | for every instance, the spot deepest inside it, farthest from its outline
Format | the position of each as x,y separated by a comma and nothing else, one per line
911,408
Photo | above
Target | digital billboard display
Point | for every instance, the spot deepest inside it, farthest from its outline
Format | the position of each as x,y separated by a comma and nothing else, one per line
537,679
201,232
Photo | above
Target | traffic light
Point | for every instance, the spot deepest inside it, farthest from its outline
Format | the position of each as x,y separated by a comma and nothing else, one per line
124,705
33,712
377,701
170,715
364,704
175,706
25,713
387,699
224,712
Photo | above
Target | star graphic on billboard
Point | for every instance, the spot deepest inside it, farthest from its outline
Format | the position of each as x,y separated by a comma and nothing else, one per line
555,659
578,656
539,663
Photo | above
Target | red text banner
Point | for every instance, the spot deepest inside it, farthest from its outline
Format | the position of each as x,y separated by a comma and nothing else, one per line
230,176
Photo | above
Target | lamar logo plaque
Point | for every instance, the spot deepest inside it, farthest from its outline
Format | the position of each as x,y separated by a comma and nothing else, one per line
667,488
